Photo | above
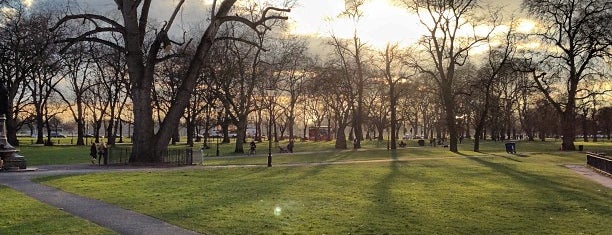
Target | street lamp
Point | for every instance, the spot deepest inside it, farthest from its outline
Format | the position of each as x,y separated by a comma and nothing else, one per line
217,144
270,94
219,120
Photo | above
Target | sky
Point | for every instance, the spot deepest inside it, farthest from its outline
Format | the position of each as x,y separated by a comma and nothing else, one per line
384,21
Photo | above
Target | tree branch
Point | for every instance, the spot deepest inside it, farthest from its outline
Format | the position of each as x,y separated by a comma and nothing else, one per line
261,22
90,17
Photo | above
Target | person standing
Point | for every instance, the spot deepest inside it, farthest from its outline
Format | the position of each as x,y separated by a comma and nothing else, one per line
93,152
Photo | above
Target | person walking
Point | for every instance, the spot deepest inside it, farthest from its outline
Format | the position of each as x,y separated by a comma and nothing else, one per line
101,152
93,152
252,147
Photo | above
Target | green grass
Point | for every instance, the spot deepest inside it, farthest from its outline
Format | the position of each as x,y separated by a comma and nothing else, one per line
530,193
71,154
23,215
54,155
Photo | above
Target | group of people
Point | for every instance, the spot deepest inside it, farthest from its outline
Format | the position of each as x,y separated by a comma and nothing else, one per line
97,152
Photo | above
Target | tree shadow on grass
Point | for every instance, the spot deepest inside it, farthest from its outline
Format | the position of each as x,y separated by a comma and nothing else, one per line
384,206
506,157
251,196
547,187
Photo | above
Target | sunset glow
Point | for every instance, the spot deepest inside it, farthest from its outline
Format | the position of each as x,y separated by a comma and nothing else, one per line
526,26
381,23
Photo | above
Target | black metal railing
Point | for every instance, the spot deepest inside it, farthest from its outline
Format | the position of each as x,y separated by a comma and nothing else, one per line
599,161
179,157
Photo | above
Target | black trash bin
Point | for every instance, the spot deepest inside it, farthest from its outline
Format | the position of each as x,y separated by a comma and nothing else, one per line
421,142
511,147
580,148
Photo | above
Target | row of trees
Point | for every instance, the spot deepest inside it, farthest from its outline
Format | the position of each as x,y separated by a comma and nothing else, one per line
126,69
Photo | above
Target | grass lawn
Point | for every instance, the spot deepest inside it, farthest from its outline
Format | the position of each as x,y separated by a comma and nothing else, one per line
430,191
23,215
54,155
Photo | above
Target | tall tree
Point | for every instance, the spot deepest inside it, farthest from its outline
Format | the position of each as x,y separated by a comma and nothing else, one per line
351,54
142,58
576,34
290,66
25,48
394,71
450,36
496,64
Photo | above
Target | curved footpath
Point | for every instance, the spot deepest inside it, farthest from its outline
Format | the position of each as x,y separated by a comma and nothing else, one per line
125,221
106,215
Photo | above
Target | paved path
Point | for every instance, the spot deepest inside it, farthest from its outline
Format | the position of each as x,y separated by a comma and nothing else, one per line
591,174
106,215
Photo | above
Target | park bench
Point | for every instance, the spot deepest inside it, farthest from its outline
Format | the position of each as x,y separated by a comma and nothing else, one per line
600,162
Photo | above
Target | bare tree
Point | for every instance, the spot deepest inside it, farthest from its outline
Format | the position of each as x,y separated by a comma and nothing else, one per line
351,55
447,46
336,96
291,68
25,48
77,70
576,34
497,63
395,71
142,59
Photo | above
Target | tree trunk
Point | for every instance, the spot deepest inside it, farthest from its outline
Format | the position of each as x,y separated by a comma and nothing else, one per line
190,131
176,137
144,148
242,126
341,137
477,135
568,120
80,132
479,130
148,146
381,132
80,120
39,128
449,106
110,129
290,124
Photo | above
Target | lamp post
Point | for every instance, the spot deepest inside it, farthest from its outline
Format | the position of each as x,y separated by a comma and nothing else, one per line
270,93
217,145
219,120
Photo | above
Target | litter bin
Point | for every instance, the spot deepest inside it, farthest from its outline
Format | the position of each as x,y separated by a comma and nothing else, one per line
421,142
580,147
511,147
